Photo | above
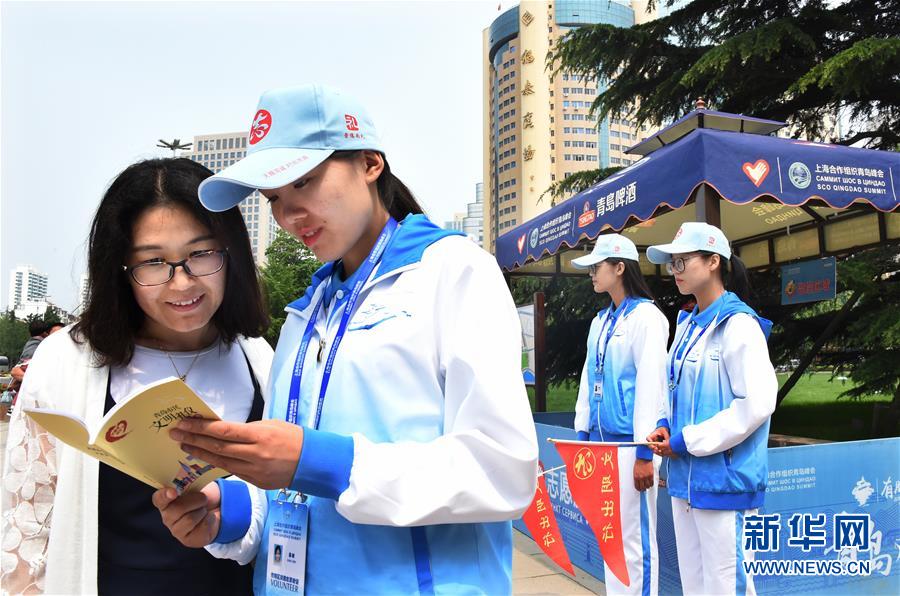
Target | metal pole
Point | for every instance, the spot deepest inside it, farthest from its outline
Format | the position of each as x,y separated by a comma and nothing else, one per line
540,376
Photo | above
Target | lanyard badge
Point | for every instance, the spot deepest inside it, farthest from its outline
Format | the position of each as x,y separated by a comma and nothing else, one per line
681,352
609,326
287,520
287,524
362,276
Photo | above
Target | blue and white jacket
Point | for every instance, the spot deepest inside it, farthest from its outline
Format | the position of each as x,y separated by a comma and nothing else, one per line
634,382
426,447
718,414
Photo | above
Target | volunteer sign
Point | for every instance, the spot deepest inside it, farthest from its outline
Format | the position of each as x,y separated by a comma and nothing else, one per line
809,281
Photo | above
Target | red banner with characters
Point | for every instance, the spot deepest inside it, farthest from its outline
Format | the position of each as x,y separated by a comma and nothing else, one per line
593,475
541,522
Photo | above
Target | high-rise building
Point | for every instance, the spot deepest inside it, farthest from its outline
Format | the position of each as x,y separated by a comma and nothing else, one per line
83,292
473,223
470,223
538,130
455,224
217,152
26,284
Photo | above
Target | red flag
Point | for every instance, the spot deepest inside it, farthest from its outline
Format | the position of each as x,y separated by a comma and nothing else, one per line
541,522
593,475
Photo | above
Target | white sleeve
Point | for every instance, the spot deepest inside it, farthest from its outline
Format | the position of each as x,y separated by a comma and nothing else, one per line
649,352
583,403
753,384
484,467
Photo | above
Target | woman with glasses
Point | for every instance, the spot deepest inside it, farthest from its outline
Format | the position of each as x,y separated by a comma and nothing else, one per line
715,424
173,292
621,391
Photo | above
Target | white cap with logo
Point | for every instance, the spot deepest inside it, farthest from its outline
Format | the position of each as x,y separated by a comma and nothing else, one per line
692,236
608,246
294,129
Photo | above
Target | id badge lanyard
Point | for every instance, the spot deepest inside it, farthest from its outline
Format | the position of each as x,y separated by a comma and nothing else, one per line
609,326
287,521
681,353
365,270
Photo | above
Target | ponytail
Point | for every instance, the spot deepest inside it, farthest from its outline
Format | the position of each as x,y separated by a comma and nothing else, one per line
395,196
735,278
633,279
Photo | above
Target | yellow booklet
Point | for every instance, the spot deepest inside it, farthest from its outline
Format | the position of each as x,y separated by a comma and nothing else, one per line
134,436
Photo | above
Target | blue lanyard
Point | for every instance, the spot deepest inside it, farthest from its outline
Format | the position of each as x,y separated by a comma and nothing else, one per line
365,270
611,319
673,381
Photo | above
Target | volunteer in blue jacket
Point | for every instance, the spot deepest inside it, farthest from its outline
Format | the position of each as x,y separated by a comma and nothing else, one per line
715,426
399,421
622,388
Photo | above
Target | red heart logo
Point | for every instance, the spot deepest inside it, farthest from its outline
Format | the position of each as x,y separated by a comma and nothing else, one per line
756,172
521,243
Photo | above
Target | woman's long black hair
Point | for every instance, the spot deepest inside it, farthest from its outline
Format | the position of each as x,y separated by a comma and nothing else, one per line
633,279
111,317
734,275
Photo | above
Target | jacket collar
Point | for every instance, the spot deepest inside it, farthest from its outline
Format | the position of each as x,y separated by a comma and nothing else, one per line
726,305
414,234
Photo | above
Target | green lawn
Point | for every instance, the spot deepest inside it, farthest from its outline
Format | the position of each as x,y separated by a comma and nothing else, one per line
811,409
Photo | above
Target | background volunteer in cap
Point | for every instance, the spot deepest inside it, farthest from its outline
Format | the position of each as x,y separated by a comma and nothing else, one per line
715,424
396,398
621,391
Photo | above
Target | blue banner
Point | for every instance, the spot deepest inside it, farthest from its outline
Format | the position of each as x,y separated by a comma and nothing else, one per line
809,281
740,167
830,482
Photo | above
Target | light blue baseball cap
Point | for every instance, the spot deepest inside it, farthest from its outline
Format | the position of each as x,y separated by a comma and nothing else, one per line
691,237
294,129
608,246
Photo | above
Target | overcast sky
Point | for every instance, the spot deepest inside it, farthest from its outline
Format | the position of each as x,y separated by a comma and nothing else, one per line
88,88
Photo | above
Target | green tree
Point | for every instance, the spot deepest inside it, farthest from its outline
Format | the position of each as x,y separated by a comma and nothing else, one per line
801,61
577,182
794,60
286,275
13,335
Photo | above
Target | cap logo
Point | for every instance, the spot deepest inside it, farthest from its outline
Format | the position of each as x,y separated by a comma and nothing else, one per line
678,233
352,122
617,249
262,124
711,241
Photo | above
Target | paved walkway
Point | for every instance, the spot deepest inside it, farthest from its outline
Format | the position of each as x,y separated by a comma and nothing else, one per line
534,573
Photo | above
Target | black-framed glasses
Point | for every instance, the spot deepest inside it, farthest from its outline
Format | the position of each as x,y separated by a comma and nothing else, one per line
158,271
677,264
592,269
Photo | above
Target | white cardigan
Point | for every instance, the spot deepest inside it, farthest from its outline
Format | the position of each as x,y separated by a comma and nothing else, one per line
44,477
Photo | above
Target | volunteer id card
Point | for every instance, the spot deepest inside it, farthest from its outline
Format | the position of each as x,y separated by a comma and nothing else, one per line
286,527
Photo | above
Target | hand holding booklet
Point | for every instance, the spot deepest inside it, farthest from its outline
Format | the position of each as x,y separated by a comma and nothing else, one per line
133,436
